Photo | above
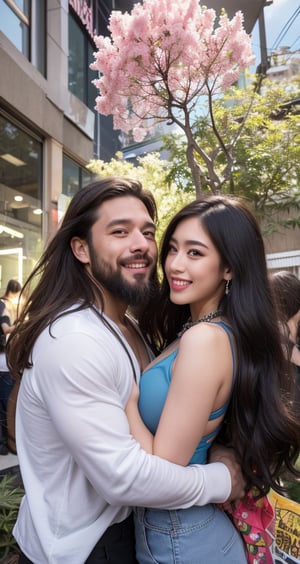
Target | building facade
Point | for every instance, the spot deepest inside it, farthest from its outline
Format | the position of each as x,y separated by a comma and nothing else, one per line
49,130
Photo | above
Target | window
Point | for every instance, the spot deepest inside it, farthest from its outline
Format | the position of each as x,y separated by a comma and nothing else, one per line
15,22
75,177
81,49
80,56
77,60
85,19
23,22
20,200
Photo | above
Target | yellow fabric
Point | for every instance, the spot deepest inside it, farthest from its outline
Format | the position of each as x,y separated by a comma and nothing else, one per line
287,526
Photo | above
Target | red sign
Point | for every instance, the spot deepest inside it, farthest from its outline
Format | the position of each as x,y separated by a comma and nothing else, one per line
85,14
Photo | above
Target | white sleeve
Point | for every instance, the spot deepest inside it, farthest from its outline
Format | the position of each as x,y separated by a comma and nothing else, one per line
85,400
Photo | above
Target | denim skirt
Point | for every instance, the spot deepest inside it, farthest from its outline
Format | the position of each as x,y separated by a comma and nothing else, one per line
198,535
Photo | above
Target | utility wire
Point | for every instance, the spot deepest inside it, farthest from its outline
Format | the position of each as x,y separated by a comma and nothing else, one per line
285,28
297,39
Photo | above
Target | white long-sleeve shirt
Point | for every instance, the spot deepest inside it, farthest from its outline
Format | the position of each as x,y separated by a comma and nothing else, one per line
81,468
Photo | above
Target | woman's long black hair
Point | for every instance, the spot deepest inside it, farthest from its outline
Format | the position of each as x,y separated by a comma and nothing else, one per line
260,423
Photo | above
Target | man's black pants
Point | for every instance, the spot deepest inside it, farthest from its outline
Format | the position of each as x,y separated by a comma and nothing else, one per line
116,546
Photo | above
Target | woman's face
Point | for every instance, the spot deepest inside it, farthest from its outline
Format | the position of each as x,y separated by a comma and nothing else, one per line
194,269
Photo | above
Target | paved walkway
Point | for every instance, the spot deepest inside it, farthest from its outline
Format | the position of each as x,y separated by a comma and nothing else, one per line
8,461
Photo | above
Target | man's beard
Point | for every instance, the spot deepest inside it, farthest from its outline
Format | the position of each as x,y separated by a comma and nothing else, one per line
113,281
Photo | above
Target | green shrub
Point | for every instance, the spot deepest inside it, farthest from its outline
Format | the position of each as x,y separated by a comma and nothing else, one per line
11,494
294,487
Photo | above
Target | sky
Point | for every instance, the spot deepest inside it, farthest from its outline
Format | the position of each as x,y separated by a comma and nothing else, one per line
278,20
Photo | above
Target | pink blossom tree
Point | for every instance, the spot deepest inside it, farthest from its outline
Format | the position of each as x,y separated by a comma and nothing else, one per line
159,61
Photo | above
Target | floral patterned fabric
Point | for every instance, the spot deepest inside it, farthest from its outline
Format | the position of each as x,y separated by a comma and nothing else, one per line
255,520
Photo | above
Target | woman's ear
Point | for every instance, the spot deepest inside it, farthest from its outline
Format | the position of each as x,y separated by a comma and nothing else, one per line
227,273
80,249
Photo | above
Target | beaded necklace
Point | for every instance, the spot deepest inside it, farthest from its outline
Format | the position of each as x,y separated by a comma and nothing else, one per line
208,317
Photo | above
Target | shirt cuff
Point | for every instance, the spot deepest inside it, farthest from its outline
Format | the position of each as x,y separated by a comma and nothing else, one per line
217,483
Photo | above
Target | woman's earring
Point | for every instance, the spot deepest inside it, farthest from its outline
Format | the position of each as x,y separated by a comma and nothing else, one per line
227,287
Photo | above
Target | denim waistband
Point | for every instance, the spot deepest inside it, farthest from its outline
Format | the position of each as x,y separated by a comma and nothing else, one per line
175,518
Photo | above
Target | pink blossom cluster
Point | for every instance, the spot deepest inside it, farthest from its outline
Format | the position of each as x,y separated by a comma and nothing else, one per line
161,57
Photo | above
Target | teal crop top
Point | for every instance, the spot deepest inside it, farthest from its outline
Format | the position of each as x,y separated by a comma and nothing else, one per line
154,386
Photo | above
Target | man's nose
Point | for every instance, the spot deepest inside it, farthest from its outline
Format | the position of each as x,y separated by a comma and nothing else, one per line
139,242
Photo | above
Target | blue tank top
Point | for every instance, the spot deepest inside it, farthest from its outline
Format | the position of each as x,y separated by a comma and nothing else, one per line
154,387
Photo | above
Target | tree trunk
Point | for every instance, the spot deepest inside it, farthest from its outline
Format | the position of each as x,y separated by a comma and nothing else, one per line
195,169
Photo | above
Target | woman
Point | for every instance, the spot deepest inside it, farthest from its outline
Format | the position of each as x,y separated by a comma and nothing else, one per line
286,289
215,321
11,299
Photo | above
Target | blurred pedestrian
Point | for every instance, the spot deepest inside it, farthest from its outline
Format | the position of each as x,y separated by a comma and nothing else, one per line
286,289
8,311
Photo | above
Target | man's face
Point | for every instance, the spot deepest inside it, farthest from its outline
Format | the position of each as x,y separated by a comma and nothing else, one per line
123,251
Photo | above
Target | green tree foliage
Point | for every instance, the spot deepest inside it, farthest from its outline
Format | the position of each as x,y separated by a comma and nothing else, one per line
153,173
10,499
263,130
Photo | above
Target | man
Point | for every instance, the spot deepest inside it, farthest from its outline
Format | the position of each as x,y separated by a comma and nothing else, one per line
8,309
77,352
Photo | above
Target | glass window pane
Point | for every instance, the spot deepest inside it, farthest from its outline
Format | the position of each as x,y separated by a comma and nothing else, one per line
21,174
38,36
71,182
16,31
74,177
77,59
86,177
91,75
20,202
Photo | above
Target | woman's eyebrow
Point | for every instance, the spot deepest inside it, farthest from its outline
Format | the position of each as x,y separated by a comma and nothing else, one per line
190,242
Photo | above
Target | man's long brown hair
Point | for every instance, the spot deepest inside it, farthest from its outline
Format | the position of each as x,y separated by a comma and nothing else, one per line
62,279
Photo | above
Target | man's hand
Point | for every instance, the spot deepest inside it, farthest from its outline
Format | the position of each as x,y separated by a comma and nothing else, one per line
219,453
